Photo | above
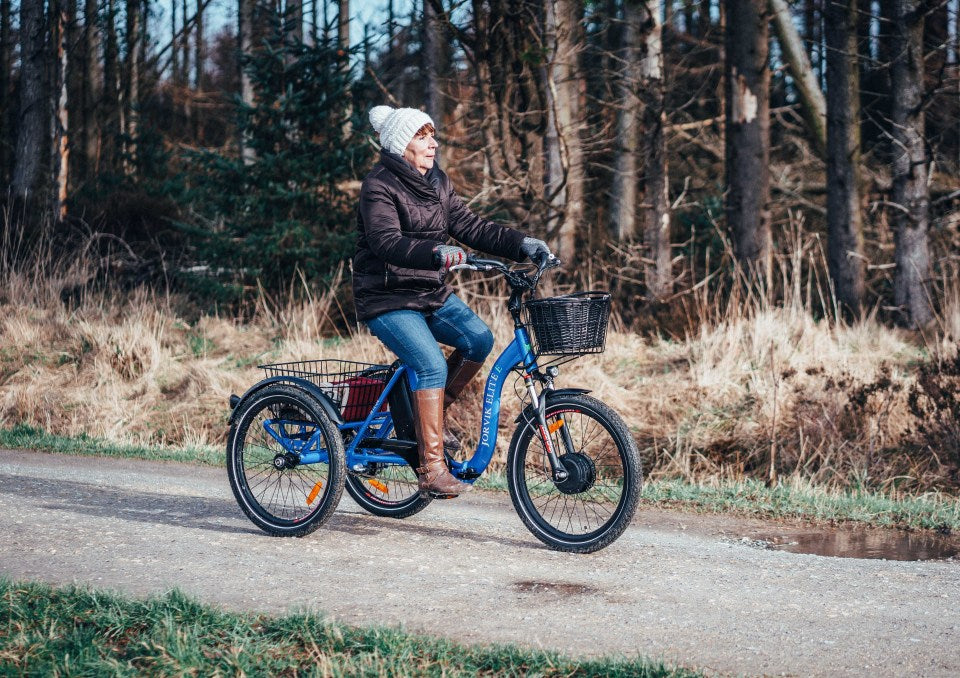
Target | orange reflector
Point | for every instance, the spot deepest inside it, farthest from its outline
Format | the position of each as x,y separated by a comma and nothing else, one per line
380,486
314,492
555,425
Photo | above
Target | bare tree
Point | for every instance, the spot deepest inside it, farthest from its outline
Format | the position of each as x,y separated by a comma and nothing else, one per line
343,24
565,83
747,134
33,121
656,180
844,224
63,20
198,51
6,85
623,192
910,173
112,92
92,84
804,79
431,61
245,15
131,94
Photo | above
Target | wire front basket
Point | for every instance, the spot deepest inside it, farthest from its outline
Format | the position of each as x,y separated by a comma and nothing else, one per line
354,387
573,324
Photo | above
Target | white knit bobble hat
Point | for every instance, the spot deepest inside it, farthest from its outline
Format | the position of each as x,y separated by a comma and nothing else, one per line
397,126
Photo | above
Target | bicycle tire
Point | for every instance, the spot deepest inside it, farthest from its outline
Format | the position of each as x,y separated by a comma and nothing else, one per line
605,476
286,502
391,491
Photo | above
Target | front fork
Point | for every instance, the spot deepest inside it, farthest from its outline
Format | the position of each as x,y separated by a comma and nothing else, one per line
539,402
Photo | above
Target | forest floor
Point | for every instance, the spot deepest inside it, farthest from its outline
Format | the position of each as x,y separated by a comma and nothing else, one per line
698,591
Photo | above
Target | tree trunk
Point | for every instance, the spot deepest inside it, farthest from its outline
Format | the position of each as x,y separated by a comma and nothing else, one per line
245,16
623,192
567,83
294,20
111,102
747,135
553,177
431,62
60,160
185,48
92,90
174,52
6,89
656,180
131,116
343,40
703,18
910,174
343,24
804,79
34,113
198,51
198,61
844,229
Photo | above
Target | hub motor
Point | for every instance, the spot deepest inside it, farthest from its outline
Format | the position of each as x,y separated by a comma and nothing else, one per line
582,470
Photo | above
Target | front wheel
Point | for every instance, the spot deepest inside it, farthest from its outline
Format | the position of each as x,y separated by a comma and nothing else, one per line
593,505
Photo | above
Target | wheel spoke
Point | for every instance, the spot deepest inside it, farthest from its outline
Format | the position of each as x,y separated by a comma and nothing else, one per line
588,501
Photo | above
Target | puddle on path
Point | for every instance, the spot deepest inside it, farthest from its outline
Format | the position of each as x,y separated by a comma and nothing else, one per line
886,544
557,588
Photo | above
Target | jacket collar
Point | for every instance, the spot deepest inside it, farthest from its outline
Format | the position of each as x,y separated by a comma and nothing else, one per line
425,187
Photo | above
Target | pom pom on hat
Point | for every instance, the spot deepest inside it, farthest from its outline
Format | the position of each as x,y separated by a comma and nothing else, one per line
397,126
378,116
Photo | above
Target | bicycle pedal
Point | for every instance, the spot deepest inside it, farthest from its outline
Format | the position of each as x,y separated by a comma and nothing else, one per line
442,495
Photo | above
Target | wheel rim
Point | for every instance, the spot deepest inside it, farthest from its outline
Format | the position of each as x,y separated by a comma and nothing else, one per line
387,484
559,508
289,495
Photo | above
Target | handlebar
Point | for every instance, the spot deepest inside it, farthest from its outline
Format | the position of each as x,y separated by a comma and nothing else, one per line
516,278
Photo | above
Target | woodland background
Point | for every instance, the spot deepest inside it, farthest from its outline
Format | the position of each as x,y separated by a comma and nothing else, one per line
770,190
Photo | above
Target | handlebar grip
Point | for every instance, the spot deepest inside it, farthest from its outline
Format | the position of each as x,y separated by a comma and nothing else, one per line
485,264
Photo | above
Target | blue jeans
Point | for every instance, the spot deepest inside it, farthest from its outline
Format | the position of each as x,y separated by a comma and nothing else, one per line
413,336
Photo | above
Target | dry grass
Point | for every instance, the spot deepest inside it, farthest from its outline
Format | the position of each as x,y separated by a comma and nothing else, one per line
835,403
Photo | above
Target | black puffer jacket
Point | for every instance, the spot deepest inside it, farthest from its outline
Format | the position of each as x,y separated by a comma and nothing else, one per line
402,216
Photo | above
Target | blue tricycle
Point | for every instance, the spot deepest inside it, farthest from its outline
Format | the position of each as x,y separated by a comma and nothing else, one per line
312,427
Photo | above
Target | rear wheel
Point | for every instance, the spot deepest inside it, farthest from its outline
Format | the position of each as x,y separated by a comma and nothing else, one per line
282,496
593,505
389,490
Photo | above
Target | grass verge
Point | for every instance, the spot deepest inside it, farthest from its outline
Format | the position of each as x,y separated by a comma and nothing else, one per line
76,631
790,500
807,502
22,436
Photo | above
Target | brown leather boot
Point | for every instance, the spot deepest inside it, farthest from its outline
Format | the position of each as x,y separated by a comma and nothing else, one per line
459,373
434,477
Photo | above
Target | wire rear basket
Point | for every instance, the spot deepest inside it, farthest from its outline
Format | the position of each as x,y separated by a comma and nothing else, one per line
573,324
354,387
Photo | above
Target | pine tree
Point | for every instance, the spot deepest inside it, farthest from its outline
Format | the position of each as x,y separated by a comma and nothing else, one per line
277,211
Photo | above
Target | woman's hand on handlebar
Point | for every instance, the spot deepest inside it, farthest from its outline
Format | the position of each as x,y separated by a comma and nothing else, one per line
445,257
536,250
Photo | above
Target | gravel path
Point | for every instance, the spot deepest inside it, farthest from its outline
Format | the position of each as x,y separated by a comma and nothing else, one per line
676,586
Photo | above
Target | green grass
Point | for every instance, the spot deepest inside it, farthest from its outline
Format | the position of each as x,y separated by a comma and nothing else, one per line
28,437
807,502
748,497
74,631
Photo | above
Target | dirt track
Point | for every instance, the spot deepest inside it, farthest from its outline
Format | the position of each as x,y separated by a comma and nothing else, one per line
675,586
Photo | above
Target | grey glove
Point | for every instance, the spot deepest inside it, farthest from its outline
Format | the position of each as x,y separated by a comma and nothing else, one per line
445,256
535,249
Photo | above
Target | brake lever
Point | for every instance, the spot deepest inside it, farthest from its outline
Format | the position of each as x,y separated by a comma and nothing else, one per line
463,267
